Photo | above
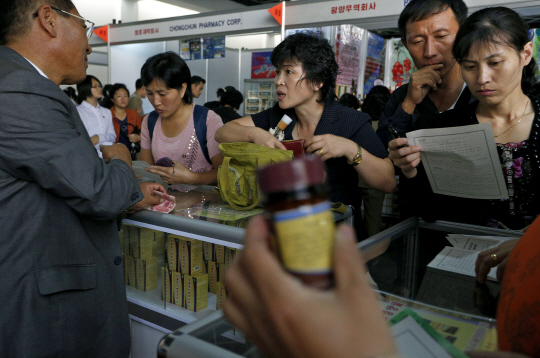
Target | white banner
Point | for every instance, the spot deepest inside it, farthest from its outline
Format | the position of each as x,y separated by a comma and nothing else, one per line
258,20
350,11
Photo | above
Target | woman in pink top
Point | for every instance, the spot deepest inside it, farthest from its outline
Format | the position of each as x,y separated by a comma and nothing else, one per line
167,80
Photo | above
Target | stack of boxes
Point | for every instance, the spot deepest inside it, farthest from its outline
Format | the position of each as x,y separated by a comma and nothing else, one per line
184,281
140,249
193,269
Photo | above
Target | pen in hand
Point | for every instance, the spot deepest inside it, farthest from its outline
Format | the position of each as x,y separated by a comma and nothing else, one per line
395,134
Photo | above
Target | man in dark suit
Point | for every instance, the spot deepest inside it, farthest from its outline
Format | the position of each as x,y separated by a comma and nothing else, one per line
62,290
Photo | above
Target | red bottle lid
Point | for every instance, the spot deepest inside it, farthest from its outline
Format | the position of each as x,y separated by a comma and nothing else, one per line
292,175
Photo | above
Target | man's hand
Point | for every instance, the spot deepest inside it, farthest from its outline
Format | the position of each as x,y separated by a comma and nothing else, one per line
150,198
404,157
485,261
276,311
116,151
421,82
94,139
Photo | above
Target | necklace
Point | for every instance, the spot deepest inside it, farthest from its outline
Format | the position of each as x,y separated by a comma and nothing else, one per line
515,124
298,131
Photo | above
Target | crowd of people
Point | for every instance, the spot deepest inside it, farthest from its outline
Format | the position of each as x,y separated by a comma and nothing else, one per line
66,161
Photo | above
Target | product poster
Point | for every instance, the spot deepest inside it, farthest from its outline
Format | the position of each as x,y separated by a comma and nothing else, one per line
319,32
400,64
374,63
219,47
536,48
184,50
348,54
208,47
261,66
195,49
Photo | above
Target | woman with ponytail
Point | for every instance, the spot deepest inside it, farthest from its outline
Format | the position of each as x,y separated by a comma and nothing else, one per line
494,52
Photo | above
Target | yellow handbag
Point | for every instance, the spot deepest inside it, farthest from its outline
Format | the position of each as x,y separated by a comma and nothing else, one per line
237,177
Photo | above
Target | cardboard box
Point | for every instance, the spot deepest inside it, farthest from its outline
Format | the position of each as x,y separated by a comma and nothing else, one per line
214,271
196,292
124,264
130,271
141,242
146,272
221,295
159,246
219,254
173,251
229,256
177,289
124,239
207,250
192,256
166,284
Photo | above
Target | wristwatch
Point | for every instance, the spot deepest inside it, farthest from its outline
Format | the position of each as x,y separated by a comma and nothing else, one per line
358,159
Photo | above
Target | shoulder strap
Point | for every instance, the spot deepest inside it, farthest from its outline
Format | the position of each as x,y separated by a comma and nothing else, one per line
152,119
199,121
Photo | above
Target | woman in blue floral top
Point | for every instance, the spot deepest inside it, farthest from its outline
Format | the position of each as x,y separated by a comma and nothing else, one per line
495,55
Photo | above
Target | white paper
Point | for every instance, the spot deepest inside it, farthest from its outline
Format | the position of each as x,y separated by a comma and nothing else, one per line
461,161
475,243
412,341
459,261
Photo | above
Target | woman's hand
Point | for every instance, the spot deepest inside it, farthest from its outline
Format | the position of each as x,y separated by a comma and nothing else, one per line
134,138
261,137
486,260
329,146
406,158
178,174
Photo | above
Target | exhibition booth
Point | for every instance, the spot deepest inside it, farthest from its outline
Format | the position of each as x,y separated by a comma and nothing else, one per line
233,49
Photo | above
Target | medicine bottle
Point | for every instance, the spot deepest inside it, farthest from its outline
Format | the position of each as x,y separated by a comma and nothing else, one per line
295,197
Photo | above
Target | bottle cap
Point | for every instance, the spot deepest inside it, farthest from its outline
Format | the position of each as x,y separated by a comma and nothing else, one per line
284,122
292,175
286,119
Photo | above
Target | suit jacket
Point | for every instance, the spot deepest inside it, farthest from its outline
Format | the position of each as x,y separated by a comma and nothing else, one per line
62,290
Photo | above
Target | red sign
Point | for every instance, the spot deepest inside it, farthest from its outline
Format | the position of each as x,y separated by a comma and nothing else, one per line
277,13
103,32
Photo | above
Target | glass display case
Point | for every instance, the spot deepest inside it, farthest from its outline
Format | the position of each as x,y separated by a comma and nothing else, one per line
455,305
173,258
259,94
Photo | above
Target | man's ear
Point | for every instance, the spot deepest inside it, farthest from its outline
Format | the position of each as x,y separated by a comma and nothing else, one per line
47,19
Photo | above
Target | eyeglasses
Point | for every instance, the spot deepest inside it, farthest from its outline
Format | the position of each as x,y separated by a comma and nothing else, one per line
88,25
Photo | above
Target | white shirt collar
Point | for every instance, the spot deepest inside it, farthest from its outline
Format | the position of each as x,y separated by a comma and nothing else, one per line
89,106
37,68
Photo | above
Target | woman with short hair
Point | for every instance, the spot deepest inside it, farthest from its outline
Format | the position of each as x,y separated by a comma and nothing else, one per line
97,120
167,80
